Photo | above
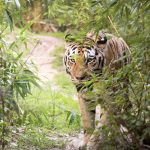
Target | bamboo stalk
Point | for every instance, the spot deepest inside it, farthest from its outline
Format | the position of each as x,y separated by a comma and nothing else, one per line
3,117
113,25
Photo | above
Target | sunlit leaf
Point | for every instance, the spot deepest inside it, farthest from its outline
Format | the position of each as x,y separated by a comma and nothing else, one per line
9,19
17,3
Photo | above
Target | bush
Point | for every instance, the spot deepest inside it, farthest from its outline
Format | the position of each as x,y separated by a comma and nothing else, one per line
130,20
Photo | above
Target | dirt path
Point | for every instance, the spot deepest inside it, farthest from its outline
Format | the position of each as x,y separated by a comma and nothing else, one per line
41,55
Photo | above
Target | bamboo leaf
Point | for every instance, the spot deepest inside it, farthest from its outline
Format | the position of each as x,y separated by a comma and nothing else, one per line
9,19
112,3
17,3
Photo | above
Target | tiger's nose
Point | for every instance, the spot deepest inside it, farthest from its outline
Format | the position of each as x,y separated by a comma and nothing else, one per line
80,78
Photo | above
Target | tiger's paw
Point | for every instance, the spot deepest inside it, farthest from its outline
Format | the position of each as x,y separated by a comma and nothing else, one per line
93,144
82,146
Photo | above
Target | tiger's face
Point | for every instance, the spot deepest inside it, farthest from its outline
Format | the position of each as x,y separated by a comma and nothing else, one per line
83,61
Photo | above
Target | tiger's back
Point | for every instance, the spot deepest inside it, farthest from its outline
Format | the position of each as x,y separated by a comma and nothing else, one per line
116,52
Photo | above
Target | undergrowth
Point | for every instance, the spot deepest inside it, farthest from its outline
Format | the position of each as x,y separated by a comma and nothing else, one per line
50,112
60,35
51,109
58,57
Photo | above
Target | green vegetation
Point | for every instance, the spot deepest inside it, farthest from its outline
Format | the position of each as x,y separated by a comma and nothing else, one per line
60,35
40,113
130,20
58,57
29,114
39,138
39,141
49,114
65,84
51,109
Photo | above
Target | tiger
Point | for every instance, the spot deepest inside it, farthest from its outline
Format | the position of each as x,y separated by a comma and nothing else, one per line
82,61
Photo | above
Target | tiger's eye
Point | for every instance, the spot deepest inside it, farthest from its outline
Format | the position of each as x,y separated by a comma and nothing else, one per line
72,60
90,59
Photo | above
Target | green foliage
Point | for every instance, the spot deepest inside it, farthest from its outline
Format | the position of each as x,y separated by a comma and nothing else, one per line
60,35
128,19
35,107
125,94
15,82
72,16
9,10
58,57
50,109
37,138
16,78
66,86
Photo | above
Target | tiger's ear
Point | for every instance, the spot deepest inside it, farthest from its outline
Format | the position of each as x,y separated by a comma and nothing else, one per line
69,38
91,35
102,38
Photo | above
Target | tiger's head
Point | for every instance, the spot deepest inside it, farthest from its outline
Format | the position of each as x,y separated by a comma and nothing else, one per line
83,60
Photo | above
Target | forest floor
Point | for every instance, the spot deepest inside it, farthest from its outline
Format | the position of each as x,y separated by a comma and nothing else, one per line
41,55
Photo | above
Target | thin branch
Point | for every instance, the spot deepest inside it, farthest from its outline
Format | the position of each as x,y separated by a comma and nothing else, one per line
113,25
3,119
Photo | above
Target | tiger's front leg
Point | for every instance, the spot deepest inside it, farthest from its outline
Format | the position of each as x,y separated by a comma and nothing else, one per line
96,138
88,119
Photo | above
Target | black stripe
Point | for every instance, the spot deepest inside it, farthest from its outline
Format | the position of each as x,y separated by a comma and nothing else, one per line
111,47
74,48
79,87
125,59
103,59
99,62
